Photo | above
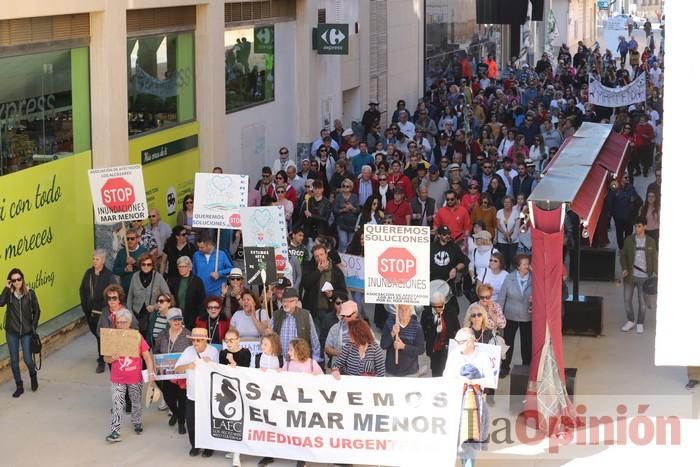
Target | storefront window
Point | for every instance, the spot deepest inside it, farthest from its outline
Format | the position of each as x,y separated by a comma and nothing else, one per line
452,36
250,66
36,108
161,81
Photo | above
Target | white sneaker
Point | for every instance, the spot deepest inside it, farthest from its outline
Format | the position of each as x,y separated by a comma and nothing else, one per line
162,406
640,328
629,325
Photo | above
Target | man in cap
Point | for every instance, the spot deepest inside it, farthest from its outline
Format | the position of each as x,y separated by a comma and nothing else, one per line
437,186
446,258
398,211
442,149
293,322
278,288
316,274
371,117
454,217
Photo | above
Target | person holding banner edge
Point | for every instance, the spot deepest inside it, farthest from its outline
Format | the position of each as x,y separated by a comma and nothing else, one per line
199,353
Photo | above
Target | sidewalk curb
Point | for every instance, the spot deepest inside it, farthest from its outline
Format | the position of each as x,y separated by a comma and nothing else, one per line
55,334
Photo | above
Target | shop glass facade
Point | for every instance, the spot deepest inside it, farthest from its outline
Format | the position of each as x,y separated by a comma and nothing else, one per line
161,81
451,32
37,99
250,76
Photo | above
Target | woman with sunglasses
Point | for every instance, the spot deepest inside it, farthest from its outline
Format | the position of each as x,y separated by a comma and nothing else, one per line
495,319
345,209
213,321
282,180
495,275
282,200
158,320
184,216
146,285
175,247
21,320
174,340
475,319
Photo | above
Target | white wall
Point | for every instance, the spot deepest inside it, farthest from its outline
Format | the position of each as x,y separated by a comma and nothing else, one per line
254,136
405,52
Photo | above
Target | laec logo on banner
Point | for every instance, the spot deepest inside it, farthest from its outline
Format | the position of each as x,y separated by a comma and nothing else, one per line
227,410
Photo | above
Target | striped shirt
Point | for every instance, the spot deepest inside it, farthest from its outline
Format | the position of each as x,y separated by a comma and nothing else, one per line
349,362
160,324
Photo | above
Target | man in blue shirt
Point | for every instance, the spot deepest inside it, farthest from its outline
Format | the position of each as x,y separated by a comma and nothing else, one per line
204,265
363,158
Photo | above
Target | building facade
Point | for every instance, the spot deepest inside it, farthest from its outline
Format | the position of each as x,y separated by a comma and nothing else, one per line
179,86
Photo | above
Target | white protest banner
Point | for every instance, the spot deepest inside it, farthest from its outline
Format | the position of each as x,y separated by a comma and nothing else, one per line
266,226
218,199
604,96
397,264
358,420
354,271
118,194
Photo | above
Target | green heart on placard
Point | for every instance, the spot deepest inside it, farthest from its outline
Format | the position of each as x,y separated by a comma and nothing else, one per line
262,218
221,183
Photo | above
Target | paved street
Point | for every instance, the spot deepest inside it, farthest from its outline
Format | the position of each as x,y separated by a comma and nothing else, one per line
70,412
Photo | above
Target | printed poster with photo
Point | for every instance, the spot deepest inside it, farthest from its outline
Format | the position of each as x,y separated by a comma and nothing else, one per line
218,199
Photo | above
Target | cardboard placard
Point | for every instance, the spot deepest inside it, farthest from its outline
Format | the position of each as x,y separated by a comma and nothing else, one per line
257,259
121,342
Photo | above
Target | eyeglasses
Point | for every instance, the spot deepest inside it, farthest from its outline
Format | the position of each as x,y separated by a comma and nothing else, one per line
131,239
215,307
476,315
152,215
284,153
323,150
112,298
163,300
189,201
279,178
339,302
473,187
308,187
148,265
347,316
123,322
449,199
16,279
182,234
494,260
233,339
487,167
235,278
484,297
265,175
281,192
347,186
382,179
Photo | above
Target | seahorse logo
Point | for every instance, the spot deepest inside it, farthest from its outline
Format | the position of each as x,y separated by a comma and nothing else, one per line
226,397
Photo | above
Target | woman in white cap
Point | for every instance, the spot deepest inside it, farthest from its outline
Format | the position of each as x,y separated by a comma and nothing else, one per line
232,292
480,257
200,352
125,375
174,340
472,366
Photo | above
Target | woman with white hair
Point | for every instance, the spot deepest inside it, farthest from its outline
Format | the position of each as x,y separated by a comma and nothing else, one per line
404,342
125,375
438,328
472,366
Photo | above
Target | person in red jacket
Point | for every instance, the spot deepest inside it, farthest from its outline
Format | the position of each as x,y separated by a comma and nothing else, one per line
398,179
399,210
643,146
454,216
493,67
213,321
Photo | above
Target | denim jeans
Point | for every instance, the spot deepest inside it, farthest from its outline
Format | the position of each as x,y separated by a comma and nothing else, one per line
13,342
344,239
642,299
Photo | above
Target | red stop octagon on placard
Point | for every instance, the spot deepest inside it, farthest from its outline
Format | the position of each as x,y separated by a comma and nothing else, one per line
118,194
397,265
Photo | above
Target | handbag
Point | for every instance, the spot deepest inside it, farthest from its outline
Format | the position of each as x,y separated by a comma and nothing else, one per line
499,341
35,343
650,286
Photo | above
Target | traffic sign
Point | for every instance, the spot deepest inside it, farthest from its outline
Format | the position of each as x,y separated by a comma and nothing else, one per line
264,39
331,39
397,265
117,194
